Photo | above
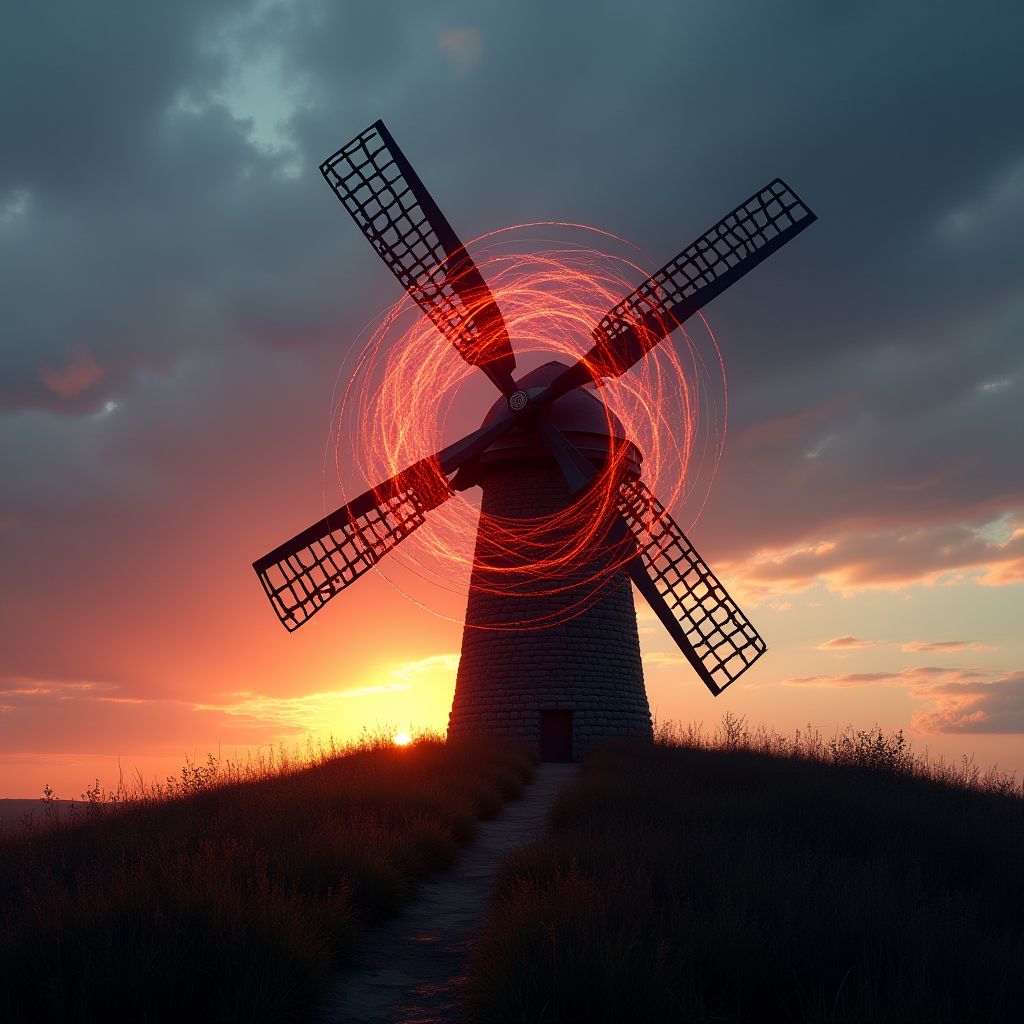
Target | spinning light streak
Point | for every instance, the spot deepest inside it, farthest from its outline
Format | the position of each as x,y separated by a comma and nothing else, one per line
407,392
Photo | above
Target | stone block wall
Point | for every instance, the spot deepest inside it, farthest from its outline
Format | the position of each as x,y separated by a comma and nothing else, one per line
557,640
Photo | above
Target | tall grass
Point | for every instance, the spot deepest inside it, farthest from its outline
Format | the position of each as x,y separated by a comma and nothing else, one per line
233,892
743,877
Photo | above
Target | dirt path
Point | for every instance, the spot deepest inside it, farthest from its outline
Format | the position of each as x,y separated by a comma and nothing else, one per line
410,967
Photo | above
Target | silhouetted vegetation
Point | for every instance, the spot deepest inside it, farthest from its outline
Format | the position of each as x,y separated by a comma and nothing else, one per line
233,893
759,878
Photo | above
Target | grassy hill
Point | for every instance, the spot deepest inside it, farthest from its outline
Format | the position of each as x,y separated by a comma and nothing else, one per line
739,878
764,879
233,894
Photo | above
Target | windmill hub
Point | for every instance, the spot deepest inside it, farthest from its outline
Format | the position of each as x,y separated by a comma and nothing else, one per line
518,400
580,415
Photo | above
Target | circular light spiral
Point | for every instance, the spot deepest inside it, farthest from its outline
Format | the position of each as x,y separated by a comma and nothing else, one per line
407,393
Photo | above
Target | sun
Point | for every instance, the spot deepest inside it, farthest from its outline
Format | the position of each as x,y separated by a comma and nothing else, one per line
402,739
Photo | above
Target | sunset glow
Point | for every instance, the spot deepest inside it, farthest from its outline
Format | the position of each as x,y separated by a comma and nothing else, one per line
202,355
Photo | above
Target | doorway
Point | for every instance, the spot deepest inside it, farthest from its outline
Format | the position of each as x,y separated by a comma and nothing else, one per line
556,735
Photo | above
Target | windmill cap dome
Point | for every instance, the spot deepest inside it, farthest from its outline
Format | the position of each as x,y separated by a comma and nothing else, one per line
579,414
580,410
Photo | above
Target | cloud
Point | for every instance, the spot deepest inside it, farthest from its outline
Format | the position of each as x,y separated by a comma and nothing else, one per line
314,710
918,646
787,430
309,711
80,374
848,679
25,687
916,675
303,712
845,643
462,46
658,659
998,207
968,706
42,760
412,672
951,700
892,559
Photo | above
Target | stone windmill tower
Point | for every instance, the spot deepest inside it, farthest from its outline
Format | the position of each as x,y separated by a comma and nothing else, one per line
550,650
555,659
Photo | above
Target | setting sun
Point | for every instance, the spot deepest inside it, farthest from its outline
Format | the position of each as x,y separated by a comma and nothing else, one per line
402,739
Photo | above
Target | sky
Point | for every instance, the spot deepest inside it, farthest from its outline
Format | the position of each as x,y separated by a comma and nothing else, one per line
179,291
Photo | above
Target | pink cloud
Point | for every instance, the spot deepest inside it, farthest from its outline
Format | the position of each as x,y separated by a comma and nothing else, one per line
952,700
48,717
922,646
890,559
958,706
847,679
917,675
79,375
846,643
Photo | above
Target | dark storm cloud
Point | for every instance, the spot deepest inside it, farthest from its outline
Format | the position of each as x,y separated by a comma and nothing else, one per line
177,284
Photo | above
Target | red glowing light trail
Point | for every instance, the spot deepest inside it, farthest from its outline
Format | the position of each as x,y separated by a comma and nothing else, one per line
406,383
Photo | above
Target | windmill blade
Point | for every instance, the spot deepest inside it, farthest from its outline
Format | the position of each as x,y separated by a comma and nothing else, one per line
716,637
303,574
575,466
707,626
386,198
740,241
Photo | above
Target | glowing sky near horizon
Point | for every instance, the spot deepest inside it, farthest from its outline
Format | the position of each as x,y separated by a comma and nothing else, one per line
180,290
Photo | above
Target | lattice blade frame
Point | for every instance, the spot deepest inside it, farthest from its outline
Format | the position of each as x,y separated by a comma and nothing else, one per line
721,636
303,574
393,209
721,256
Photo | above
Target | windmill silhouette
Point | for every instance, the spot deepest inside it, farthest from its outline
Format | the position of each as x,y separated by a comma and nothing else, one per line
558,664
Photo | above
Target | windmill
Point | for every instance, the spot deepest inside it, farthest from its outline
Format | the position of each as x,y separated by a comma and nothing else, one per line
542,447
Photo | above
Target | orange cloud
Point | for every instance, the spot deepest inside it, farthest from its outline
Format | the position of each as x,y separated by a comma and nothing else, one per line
79,375
959,706
891,559
973,700
921,646
846,643
310,711
658,659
